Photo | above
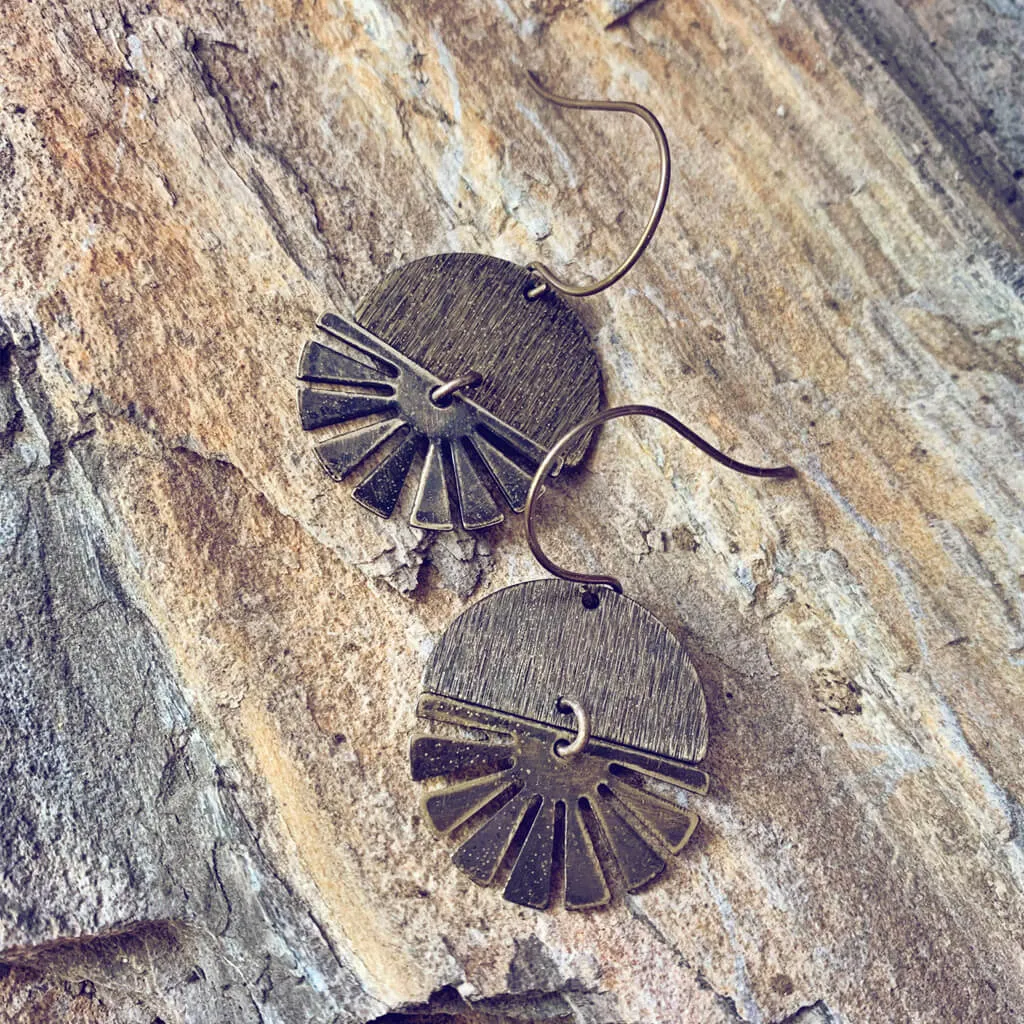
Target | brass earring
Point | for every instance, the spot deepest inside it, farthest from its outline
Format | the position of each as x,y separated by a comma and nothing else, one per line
584,696
470,362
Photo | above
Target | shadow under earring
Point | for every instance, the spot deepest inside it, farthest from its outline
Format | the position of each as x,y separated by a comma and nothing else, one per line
470,362
582,700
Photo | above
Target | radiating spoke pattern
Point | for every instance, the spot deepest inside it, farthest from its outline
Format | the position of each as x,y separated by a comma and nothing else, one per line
479,509
671,823
469,457
516,806
321,408
529,882
380,491
341,454
481,854
513,480
585,884
432,756
432,509
456,804
327,365
638,863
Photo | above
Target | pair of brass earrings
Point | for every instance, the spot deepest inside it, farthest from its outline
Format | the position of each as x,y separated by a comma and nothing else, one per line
558,706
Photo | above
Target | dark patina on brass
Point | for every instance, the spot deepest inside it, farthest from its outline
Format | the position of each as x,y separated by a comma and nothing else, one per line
527,366
502,668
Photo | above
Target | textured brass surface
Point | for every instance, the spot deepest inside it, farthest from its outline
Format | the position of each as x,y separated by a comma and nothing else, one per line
542,824
432,323
460,312
462,445
519,806
522,648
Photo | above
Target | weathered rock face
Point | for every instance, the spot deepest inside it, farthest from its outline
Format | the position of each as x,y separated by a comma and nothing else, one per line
211,656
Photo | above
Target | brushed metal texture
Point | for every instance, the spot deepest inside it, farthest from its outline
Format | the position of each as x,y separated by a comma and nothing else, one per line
466,451
522,648
430,322
460,311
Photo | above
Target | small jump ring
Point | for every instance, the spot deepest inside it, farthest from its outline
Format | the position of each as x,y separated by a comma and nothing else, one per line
536,289
565,748
443,392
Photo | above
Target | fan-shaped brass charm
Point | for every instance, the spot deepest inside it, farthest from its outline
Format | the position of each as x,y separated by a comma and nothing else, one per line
430,322
524,814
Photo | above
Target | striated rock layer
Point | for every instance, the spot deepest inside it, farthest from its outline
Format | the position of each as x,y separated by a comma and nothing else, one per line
211,656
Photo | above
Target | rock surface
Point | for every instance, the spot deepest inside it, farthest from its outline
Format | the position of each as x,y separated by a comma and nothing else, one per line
211,656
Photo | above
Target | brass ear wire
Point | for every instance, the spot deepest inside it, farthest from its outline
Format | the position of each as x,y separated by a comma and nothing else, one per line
548,278
780,472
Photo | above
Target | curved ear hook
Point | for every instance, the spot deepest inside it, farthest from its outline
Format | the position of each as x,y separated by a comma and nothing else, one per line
547,276
781,472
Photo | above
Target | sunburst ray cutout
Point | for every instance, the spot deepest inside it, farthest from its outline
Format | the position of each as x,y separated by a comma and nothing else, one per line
544,822
468,455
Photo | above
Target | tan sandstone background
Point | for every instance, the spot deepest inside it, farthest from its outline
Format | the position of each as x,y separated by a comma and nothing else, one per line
210,655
